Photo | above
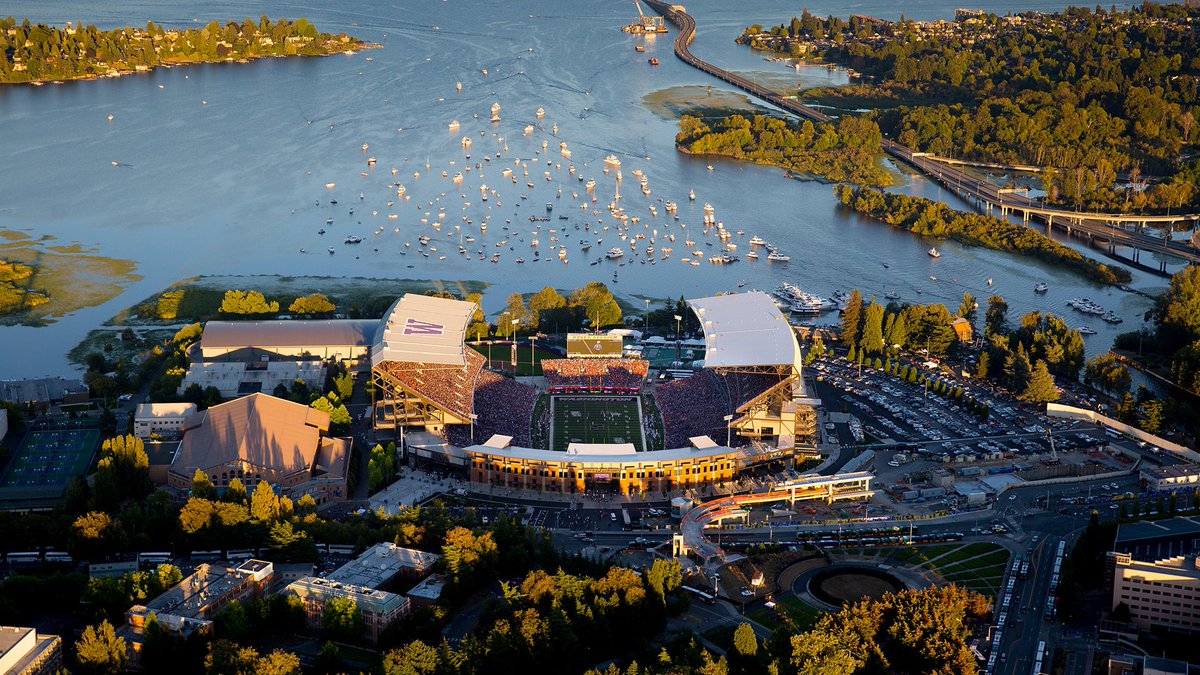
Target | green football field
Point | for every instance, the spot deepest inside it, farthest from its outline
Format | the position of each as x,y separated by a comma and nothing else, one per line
595,419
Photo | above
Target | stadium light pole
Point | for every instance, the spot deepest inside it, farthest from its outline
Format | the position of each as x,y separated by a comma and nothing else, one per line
532,355
677,320
512,335
473,418
728,430
647,314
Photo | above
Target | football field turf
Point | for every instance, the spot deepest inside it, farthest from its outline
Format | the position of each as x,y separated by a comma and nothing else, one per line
596,419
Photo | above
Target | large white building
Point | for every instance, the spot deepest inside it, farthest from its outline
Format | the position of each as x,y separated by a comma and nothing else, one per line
1163,593
161,419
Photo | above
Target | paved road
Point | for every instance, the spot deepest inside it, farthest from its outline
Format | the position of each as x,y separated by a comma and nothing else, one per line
953,177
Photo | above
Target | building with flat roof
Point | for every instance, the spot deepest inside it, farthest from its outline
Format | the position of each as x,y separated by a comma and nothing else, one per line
187,607
23,651
1170,477
242,378
40,390
379,609
428,592
1155,539
379,565
963,329
320,339
263,438
1160,594
161,419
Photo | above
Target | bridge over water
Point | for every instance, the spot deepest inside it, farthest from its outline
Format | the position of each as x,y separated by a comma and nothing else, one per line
1106,231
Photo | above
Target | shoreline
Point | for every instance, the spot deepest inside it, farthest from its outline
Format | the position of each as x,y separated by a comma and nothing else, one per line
115,73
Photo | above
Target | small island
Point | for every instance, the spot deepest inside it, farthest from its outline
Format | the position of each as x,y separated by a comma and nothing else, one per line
844,152
15,298
37,53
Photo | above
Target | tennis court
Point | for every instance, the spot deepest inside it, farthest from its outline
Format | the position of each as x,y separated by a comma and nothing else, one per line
596,419
47,461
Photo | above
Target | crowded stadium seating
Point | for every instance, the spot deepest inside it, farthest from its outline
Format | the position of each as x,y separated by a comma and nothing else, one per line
504,406
450,388
594,376
697,405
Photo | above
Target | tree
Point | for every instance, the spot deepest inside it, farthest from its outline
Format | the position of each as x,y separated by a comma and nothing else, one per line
983,368
278,662
1177,313
1151,416
247,302
1041,387
341,618
202,487
996,319
264,504
898,335
872,335
546,303
745,642
236,492
515,309
99,650
312,304
968,307
1107,372
123,472
1018,369
852,318
414,658
597,304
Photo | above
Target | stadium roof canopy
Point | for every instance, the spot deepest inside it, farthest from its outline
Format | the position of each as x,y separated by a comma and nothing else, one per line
423,329
744,330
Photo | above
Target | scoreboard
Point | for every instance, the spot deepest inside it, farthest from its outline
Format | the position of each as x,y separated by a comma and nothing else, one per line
587,345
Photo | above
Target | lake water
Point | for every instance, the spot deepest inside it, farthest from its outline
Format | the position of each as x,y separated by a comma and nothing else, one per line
224,167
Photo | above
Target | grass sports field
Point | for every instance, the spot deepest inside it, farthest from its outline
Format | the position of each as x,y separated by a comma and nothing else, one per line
47,461
595,419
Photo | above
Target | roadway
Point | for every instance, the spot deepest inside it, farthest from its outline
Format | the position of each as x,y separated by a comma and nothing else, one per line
1093,224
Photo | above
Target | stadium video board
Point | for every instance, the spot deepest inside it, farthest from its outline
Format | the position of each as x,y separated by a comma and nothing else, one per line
585,345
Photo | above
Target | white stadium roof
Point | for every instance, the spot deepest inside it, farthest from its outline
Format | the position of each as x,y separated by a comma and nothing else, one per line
423,329
744,329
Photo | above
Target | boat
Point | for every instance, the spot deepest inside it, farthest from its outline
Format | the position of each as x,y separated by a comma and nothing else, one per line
776,256
454,126
933,253
723,259
691,195
893,295
757,241
1084,330
1041,287
753,255
330,250
591,184
1110,317
541,112
351,239
330,186
495,112
614,253
653,61
638,48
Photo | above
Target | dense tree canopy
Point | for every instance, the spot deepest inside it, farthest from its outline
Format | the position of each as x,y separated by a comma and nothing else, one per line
845,151
39,52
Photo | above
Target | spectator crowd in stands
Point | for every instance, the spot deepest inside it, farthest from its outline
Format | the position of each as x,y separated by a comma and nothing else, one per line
599,376
504,406
449,388
697,405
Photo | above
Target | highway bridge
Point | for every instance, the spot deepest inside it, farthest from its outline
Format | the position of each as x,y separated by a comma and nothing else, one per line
1102,230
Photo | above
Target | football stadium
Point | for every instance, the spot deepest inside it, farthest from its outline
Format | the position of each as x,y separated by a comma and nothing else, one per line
745,407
